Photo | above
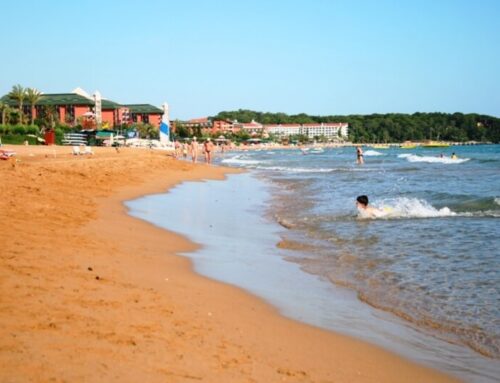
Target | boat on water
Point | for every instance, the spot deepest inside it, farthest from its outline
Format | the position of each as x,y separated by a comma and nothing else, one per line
435,144
380,146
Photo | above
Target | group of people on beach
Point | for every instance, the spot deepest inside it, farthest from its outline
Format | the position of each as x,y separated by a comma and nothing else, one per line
193,148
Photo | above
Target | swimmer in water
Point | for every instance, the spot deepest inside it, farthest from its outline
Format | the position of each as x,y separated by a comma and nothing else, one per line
366,211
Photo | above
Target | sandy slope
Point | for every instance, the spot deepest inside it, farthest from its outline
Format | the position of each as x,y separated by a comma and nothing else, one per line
89,294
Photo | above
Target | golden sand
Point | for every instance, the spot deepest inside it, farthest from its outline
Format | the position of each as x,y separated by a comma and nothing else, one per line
90,294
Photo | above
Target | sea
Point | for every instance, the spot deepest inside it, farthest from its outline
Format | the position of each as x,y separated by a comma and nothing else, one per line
422,279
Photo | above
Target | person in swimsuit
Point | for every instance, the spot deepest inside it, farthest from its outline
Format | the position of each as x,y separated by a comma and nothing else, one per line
359,153
209,147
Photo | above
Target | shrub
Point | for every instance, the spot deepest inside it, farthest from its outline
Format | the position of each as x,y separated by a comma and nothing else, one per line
32,129
59,135
17,139
19,129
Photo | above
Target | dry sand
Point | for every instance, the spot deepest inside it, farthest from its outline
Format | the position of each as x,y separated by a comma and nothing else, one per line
89,294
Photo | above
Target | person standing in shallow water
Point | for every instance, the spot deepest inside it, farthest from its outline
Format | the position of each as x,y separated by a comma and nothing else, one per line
359,155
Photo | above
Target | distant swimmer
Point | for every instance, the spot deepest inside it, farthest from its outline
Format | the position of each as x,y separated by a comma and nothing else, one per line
454,156
359,154
366,211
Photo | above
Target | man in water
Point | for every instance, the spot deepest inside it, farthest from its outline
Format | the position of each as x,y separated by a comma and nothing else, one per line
359,154
366,211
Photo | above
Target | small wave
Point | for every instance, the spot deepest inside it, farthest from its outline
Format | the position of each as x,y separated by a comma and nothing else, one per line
497,200
431,159
239,161
408,208
296,170
373,153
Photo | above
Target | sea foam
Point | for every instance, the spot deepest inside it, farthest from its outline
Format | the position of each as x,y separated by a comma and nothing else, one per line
373,153
411,208
431,159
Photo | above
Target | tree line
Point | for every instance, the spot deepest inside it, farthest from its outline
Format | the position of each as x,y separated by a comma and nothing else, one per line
390,127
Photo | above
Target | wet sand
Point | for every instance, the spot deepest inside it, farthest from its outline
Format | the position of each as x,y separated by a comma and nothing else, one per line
91,294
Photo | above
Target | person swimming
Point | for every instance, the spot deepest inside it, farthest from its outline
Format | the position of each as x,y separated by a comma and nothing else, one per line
365,211
453,156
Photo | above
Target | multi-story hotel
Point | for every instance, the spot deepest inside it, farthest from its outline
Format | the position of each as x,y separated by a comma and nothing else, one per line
331,131
283,130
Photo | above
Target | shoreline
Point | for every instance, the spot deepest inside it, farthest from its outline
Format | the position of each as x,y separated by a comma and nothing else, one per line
119,296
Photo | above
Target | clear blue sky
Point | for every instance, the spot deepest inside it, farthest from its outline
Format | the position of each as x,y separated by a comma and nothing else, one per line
312,56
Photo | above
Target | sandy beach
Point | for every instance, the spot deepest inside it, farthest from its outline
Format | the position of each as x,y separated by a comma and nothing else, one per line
89,293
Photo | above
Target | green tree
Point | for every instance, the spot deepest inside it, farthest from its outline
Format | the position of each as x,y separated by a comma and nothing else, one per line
147,131
32,96
6,110
18,93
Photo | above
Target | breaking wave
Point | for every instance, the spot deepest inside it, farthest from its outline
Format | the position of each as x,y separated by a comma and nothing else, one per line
409,208
373,153
431,159
239,160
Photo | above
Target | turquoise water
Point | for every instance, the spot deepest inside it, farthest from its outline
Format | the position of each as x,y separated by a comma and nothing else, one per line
433,259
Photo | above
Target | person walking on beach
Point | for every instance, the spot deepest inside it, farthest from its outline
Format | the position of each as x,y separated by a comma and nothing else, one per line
208,147
177,146
194,150
359,155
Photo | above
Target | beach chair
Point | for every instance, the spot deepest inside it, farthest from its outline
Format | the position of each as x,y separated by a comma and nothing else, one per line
76,151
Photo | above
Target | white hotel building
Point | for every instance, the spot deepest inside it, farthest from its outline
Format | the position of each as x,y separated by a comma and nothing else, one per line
331,131
283,130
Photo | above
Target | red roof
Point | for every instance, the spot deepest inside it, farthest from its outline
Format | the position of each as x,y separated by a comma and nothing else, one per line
200,120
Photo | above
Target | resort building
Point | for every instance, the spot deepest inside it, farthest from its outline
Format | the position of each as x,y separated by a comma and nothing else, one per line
222,126
145,113
78,107
283,130
331,131
252,128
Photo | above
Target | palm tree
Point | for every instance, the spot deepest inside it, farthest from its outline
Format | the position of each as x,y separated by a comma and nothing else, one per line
18,93
32,95
5,112
2,108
